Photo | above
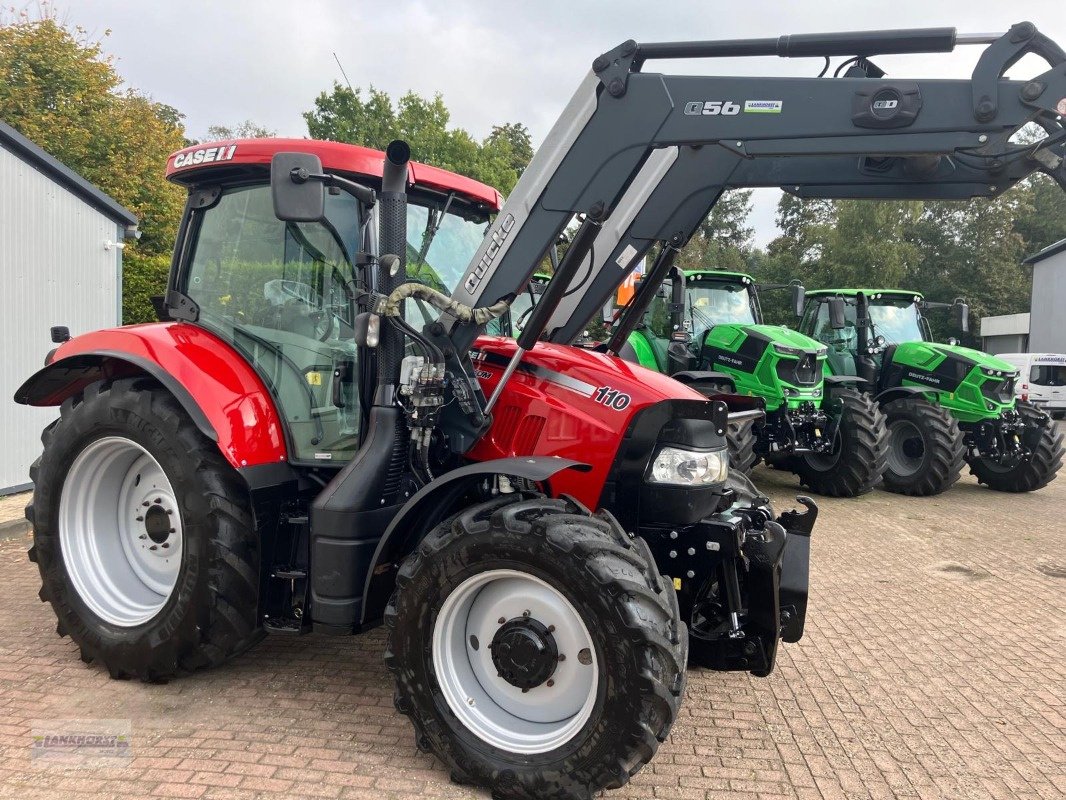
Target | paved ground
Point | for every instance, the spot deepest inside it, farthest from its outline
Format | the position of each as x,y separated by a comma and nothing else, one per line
933,666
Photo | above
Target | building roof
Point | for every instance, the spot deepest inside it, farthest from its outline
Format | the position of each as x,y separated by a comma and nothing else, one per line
191,163
1005,325
12,140
1047,252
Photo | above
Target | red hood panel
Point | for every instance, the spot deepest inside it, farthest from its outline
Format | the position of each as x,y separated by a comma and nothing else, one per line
568,402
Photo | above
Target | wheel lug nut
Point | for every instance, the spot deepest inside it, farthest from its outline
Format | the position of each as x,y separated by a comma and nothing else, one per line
551,629
172,530
525,613
166,545
501,620
562,657
524,691
169,511
143,536
551,683
158,501
154,547
140,519
146,504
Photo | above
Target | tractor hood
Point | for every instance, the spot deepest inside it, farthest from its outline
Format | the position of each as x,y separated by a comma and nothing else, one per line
776,334
973,385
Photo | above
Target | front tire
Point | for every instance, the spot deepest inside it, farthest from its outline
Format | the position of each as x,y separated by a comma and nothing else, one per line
142,535
479,629
925,448
1028,476
740,437
857,462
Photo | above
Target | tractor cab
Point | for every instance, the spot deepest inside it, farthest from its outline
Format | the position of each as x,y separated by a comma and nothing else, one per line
282,292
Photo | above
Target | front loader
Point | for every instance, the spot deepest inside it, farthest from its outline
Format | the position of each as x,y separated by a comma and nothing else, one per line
547,533
946,405
705,328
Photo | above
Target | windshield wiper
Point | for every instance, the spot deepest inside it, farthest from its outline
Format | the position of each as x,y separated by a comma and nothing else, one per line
433,221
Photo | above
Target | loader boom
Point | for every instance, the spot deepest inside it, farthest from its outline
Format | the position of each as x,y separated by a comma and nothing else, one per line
642,157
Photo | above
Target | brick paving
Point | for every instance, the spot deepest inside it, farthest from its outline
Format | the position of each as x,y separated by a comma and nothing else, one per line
933,666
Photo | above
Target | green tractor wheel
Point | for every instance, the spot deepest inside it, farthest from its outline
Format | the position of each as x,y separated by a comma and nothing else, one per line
1029,475
740,437
925,448
857,462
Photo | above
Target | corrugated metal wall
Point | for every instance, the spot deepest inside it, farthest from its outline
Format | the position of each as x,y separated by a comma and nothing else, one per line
54,270
1047,334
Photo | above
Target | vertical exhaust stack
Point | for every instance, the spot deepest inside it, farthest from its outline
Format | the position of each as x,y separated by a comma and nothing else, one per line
392,238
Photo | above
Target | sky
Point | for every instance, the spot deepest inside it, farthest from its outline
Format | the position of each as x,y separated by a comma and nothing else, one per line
225,61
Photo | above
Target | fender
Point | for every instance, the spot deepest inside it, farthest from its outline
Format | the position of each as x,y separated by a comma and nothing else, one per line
898,392
430,505
692,376
217,387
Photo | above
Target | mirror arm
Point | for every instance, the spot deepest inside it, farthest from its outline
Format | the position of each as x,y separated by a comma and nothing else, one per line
364,194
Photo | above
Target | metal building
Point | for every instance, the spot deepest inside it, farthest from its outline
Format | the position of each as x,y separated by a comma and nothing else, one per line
60,264
1007,333
1047,328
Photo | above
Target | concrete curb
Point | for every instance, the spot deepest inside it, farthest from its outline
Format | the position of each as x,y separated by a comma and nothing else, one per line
14,529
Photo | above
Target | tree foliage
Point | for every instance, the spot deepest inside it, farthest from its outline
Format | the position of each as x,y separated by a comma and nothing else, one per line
724,239
373,119
242,130
60,90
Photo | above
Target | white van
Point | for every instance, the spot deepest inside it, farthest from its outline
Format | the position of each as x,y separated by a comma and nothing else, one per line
1041,380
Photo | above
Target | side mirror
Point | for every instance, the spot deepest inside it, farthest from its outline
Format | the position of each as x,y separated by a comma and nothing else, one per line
298,194
836,313
962,317
799,298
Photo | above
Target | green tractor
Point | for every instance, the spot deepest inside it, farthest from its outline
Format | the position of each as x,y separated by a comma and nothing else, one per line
705,328
945,405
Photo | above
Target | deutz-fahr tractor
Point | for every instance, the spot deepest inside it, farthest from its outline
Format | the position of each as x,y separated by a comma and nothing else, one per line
547,533
946,405
705,329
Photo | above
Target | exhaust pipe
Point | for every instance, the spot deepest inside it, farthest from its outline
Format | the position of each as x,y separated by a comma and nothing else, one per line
392,238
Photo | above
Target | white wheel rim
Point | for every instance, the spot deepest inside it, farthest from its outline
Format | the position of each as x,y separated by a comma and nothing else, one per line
120,531
544,717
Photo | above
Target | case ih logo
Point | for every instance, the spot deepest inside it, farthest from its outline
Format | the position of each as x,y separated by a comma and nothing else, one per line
205,155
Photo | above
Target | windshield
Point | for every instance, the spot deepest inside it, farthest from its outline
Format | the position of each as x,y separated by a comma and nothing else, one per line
896,320
440,245
710,304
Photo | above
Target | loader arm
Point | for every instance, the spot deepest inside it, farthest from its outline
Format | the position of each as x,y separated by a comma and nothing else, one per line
642,157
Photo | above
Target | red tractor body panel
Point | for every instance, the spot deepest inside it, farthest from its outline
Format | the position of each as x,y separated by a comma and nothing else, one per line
218,378
192,164
569,402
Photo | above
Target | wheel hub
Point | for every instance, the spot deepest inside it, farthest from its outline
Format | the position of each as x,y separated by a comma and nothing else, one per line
524,652
157,523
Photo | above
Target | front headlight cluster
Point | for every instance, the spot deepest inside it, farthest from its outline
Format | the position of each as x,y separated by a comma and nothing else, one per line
680,467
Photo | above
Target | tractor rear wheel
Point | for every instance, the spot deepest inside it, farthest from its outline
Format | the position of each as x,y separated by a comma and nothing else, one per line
740,436
857,461
925,448
142,535
536,649
1030,475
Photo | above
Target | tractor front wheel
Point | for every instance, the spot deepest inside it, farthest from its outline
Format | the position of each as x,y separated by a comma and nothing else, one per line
142,535
1030,475
857,461
925,448
536,649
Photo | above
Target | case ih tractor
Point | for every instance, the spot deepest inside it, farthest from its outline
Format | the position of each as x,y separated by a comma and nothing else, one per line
945,405
547,533
705,328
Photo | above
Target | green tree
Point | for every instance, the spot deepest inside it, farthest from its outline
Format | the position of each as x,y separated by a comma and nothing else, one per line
373,119
724,239
59,89
242,130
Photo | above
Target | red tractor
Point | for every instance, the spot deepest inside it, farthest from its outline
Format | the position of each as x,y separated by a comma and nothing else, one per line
318,437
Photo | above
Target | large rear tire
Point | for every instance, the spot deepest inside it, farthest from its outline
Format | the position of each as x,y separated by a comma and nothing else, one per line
740,436
1030,475
143,535
857,462
536,649
925,448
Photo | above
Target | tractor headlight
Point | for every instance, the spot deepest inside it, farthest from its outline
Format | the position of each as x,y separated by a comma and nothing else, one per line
689,467
784,349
